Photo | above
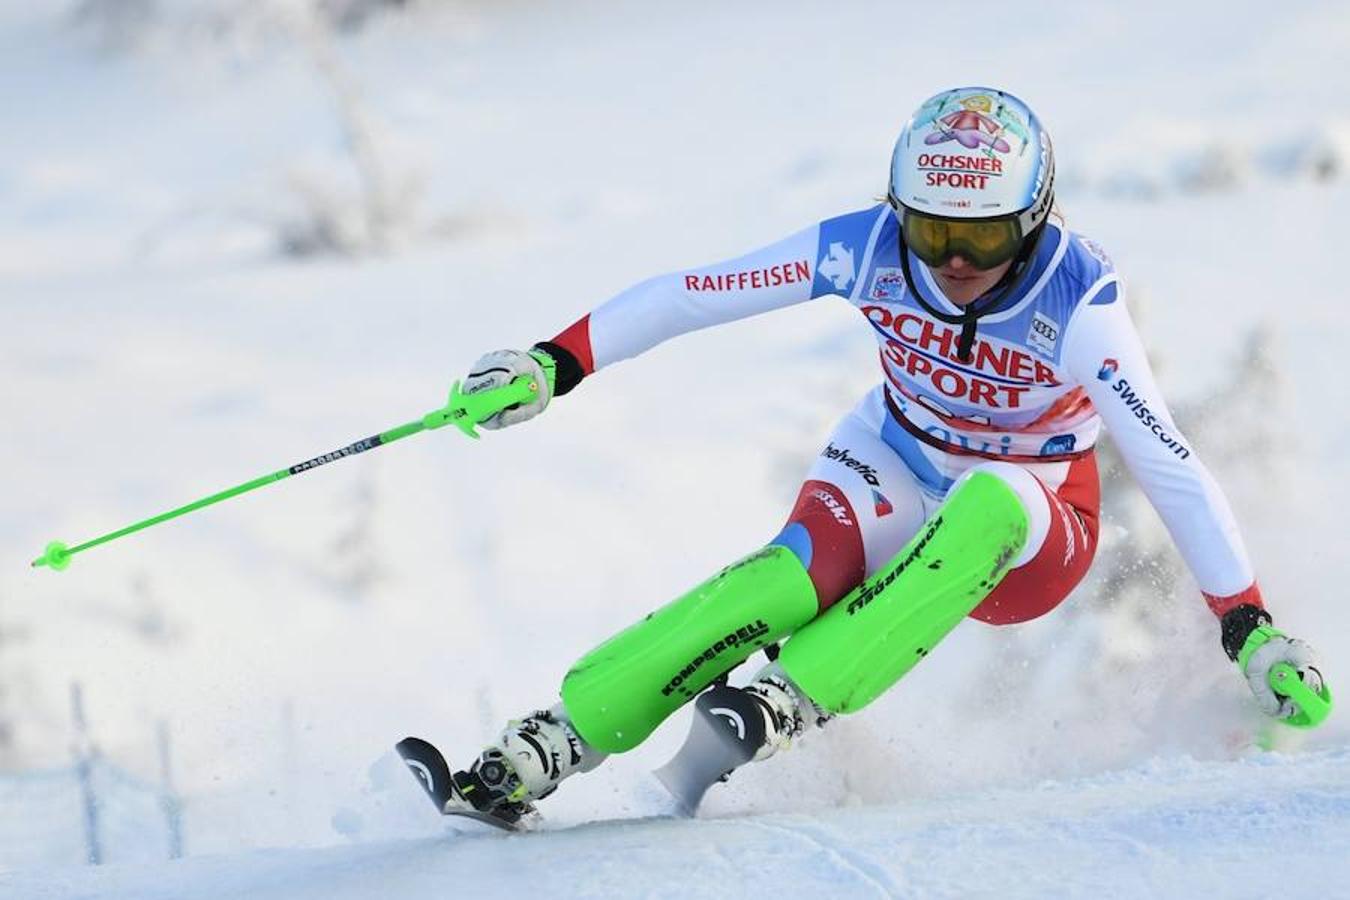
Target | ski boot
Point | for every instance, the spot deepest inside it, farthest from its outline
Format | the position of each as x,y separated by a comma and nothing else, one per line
786,710
734,726
526,763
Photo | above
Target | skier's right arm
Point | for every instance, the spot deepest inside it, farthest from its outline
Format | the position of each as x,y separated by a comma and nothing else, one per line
655,310
676,303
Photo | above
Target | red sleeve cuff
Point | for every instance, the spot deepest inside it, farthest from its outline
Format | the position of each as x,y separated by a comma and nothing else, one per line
577,341
1250,597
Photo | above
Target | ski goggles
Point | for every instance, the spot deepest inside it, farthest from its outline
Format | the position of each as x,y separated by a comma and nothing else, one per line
984,243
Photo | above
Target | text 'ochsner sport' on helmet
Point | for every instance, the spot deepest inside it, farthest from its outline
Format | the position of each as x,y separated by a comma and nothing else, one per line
972,174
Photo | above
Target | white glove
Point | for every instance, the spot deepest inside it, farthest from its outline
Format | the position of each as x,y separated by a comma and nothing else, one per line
498,369
1274,650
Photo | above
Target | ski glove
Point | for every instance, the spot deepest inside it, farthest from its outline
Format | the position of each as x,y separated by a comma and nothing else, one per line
1257,648
499,368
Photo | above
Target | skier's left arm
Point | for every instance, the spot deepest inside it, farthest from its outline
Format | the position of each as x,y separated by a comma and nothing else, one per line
1104,354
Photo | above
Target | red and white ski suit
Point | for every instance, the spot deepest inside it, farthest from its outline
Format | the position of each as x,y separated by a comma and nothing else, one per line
1051,364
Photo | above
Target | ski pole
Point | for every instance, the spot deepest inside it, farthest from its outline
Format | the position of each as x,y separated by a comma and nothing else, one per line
464,411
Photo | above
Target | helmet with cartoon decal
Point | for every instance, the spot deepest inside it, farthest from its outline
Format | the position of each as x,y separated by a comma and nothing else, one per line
972,174
974,153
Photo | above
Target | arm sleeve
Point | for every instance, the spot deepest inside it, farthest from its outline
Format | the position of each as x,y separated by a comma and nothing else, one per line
1105,355
663,307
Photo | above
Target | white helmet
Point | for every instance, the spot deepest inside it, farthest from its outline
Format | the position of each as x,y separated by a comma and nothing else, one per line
974,153
972,175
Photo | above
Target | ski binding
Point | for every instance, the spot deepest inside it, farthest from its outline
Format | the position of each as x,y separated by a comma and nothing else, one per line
432,772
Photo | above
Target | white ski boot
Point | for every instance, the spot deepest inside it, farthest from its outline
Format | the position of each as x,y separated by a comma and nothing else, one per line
786,710
526,763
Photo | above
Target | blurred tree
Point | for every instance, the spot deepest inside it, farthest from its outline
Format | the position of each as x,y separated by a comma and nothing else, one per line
116,26
331,222
356,568
352,15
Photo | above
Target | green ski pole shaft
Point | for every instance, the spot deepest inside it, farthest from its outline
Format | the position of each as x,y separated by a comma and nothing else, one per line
464,411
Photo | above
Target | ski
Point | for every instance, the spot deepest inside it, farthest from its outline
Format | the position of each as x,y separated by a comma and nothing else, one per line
726,732
432,772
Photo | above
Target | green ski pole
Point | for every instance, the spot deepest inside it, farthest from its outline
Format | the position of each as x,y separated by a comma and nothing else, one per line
464,411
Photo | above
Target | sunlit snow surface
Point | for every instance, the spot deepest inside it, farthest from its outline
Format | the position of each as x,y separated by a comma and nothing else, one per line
1175,828
154,347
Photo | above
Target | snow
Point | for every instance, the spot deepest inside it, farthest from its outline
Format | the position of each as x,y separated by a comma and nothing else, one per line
155,346
1268,826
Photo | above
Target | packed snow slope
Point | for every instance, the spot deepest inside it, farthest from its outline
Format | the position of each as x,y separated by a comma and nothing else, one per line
1268,827
163,335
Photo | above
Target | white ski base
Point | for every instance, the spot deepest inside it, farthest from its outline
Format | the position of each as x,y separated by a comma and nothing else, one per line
1270,825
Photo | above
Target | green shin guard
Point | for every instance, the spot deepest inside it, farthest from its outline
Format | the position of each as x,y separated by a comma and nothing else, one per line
868,640
618,694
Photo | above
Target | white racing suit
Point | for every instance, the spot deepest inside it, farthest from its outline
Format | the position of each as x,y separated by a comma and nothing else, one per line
1050,364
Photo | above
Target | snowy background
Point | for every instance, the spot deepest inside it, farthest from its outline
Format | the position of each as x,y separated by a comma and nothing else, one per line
237,235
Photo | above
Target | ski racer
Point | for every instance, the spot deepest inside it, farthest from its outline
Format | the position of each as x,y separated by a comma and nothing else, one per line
964,485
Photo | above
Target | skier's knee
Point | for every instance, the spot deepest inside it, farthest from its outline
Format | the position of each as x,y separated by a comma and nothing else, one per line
853,653
1030,493
823,532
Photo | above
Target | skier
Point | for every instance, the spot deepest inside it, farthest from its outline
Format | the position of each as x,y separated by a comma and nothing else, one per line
964,484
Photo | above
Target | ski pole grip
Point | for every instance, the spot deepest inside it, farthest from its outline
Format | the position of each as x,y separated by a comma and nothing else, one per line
465,411
1313,706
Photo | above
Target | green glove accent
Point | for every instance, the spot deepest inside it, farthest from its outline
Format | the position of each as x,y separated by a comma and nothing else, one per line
550,367
868,640
618,694
1313,706
1259,636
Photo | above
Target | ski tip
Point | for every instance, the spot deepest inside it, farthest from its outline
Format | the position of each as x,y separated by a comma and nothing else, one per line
417,747
428,766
